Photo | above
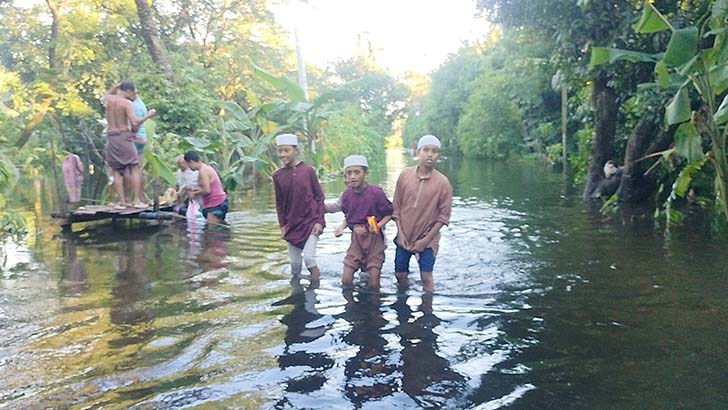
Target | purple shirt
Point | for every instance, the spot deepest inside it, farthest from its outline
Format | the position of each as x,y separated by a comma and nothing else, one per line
299,202
357,206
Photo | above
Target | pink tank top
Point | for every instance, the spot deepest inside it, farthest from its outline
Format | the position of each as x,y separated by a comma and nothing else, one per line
216,195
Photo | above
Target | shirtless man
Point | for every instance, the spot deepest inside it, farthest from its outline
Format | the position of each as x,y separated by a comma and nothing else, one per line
120,152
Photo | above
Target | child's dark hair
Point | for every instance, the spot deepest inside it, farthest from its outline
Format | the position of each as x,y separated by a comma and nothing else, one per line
192,156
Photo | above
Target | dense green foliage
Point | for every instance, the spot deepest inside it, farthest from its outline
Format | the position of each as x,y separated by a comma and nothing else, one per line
219,78
653,66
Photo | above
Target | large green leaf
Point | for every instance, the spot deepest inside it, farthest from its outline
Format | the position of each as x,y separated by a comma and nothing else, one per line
601,55
719,78
721,115
682,47
157,167
687,143
682,183
238,113
197,142
651,21
292,90
679,108
663,77
719,15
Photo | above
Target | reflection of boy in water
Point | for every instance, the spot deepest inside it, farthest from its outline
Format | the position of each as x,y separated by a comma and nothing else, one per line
309,369
370,375
426,376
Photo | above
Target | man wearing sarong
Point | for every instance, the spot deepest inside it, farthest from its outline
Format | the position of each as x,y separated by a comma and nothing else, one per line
121,155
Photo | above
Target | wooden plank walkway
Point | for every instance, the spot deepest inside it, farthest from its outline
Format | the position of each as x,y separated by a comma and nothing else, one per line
90,213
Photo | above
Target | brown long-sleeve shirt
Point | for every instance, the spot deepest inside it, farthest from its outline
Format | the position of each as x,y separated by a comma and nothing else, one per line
420,202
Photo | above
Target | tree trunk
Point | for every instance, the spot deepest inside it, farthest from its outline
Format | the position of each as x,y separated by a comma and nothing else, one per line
635,186
150,32
45,102
45,99
604,100
54,9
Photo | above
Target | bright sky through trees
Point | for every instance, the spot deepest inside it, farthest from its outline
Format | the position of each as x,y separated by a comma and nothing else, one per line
404,34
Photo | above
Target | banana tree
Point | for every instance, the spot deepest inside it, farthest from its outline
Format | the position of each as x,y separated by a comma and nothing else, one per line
696,58
297,113
251,134
155,166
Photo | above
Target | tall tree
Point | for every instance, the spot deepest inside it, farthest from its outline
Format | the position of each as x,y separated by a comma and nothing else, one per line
574,26
150,32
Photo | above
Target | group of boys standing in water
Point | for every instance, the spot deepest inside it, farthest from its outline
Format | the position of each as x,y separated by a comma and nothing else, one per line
421,206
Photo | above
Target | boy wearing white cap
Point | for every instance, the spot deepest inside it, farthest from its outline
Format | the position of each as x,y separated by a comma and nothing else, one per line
300,206
367,211
422,205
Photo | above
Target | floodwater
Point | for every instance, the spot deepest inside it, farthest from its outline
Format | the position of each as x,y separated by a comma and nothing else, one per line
539,304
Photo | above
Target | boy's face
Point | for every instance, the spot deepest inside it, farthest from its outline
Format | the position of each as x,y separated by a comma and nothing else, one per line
287,154
355,176
182,165
428,155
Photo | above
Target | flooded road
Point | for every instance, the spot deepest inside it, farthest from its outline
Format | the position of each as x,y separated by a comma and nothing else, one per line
538,305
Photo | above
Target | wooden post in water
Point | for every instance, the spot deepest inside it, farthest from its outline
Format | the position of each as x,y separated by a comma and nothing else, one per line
563,124
155,190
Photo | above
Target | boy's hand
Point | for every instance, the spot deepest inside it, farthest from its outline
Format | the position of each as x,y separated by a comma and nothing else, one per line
338,231
317,229
419,246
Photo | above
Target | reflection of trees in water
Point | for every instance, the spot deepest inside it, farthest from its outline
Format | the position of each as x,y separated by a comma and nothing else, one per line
297,333
426,377
369,375
130,288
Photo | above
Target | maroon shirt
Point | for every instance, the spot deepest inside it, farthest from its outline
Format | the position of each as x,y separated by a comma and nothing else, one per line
357,206
299,202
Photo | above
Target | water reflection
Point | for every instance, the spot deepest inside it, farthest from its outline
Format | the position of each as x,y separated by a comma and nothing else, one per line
130,315
541,306
426,376
307,368
370,374
74,274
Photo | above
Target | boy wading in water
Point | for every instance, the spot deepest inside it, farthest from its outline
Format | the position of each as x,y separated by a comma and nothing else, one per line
422,205
360,202
300,206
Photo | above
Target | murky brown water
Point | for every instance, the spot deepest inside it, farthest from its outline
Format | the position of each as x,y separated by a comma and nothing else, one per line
539,305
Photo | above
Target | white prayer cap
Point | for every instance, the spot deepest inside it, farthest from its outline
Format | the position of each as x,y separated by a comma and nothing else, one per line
287,139
428,140
353,160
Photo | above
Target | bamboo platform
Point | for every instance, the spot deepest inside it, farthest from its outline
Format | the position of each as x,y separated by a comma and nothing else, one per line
89,213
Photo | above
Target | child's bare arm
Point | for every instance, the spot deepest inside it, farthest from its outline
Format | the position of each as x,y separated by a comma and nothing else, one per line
384,221
340,229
